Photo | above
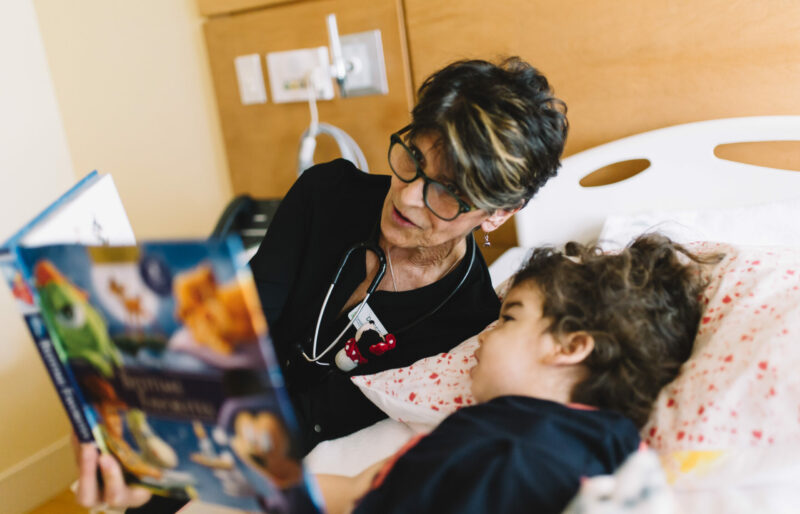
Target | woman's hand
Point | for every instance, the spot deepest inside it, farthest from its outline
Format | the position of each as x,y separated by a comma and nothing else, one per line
113,492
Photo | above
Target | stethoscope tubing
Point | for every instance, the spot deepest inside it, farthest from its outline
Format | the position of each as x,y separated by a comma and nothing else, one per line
378,251
371,289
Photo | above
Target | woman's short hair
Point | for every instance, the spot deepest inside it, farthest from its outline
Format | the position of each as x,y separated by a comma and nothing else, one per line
500,128
641,306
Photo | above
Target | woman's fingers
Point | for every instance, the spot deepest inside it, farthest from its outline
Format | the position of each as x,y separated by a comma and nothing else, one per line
138,496
87,493
115,491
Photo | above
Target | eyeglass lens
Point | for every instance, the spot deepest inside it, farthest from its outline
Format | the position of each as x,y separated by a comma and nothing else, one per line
438,197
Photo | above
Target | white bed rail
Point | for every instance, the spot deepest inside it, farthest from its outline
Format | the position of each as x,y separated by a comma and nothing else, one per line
684,173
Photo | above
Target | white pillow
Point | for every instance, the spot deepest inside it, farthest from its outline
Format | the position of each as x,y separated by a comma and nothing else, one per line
765,224
507,264
740,387
426,392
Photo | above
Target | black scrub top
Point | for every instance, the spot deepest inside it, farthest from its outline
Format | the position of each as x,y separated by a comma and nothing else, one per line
330,208
512,454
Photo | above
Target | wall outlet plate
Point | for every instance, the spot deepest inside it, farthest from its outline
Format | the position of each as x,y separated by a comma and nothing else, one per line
366,68
250,79
290,71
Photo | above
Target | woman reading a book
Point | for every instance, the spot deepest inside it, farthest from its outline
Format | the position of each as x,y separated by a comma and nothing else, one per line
482,140
409,281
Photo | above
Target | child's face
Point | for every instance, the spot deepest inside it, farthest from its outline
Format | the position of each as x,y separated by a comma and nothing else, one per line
512,354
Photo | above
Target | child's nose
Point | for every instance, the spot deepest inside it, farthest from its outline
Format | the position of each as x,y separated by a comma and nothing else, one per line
482,335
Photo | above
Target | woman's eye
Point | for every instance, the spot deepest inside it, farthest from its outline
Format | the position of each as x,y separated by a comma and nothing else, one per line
454,189
506,317
418,155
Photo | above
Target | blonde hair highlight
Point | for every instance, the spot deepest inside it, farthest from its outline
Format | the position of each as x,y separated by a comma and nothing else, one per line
501,129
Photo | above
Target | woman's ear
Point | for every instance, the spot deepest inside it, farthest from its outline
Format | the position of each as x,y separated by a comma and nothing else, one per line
497,218
573,348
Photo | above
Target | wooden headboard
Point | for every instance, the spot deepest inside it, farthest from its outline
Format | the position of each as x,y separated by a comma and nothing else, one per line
627,66
623,67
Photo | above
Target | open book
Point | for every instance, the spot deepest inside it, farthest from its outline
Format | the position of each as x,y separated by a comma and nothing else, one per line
160,353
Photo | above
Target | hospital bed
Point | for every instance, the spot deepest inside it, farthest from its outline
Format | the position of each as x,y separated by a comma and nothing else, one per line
727,430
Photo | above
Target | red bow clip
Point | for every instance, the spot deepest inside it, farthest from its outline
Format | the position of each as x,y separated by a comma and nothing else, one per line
384,346
351,349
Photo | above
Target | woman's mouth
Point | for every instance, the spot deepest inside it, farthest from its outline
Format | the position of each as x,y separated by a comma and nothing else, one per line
401,220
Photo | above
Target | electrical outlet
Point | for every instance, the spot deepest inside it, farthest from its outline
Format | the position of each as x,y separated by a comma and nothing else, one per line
290,72
366,69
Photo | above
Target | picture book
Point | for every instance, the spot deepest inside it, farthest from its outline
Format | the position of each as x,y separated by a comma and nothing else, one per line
161,356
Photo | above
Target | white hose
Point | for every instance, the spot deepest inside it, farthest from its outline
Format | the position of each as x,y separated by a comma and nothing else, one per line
348,148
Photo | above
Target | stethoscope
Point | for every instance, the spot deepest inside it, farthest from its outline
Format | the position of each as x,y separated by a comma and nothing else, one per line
379,253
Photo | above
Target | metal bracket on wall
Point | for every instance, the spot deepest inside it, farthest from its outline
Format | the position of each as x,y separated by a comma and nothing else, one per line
357,61
366,69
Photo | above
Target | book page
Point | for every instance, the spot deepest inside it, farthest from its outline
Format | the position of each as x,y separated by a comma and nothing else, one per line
95,216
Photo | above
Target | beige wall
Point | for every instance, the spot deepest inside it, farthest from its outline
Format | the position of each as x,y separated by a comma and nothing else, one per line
34,168
132,82
121,86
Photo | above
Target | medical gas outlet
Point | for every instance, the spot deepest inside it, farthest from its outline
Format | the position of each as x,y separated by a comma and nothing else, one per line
294,73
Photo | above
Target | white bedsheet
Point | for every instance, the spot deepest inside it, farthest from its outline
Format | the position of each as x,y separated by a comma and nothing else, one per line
351,454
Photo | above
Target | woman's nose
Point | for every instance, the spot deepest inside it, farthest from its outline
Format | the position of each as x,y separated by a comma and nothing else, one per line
412,193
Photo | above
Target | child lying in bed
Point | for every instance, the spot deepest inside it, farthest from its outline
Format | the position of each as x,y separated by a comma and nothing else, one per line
584,343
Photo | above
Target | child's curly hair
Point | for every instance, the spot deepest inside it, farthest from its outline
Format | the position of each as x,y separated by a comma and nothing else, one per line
641,306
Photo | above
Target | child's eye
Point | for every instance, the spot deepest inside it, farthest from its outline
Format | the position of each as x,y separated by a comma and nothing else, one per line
506,317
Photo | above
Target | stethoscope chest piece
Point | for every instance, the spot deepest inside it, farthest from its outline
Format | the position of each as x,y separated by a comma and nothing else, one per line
367,343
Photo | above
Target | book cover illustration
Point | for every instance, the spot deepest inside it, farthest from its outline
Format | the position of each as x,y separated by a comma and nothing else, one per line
169,346
90,212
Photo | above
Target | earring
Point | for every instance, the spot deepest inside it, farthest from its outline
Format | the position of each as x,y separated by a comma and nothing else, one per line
486,241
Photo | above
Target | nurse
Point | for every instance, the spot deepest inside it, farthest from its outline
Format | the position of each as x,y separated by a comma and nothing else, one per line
483,138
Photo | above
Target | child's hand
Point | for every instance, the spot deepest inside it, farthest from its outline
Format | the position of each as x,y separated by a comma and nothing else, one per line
342,492
113,492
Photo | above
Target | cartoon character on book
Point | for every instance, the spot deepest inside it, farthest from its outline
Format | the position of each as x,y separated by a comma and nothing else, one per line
262,442
84,336
216,315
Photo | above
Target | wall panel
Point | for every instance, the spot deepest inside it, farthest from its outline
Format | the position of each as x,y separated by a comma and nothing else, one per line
627,66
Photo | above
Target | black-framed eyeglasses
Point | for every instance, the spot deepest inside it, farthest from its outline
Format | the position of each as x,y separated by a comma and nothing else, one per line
442,199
